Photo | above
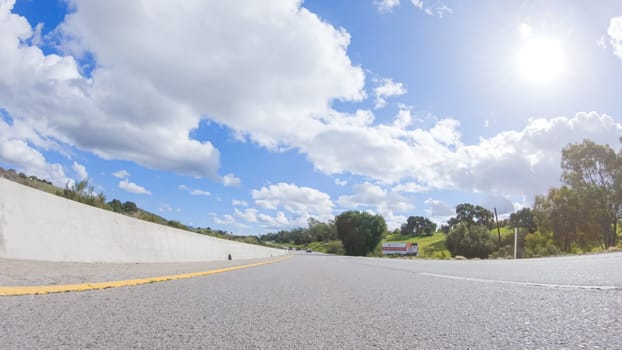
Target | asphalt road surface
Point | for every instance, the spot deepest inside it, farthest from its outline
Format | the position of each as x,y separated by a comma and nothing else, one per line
313,301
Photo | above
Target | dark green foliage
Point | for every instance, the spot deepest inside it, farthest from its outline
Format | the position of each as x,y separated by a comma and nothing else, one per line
315,231
470,241
525,219
335,247
116,206
130,207
34,178
594,172
151,217
470,215
506,250
31,181
584,213
360,232
561,214
418,226
176,224
538,244
321,231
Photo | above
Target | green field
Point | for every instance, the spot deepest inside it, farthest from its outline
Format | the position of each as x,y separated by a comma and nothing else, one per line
316,246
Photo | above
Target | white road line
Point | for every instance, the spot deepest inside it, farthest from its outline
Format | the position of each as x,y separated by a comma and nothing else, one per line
533,284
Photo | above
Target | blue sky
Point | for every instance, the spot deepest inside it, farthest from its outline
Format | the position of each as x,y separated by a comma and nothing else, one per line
253,116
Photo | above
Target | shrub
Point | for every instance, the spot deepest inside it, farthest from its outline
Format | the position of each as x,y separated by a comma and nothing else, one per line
470,242
538,244
507,251
335,247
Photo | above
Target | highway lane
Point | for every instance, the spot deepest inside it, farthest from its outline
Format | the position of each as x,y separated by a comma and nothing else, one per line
594,270
313,301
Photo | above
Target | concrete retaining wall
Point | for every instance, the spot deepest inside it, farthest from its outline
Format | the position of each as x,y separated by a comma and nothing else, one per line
36,225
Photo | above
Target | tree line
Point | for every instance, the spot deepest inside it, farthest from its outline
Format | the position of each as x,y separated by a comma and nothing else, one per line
352,233
580,215
586,209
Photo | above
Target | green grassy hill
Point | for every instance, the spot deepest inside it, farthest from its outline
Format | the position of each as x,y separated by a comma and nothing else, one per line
429,246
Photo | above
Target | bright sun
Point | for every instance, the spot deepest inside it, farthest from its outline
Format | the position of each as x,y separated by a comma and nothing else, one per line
541,60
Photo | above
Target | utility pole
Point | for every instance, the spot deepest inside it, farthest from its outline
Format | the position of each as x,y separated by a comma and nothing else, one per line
498,230
515,240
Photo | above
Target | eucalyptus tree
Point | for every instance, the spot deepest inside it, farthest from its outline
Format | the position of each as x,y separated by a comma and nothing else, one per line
595,172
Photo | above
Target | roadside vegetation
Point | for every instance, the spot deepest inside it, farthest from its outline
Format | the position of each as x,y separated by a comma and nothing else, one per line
581,216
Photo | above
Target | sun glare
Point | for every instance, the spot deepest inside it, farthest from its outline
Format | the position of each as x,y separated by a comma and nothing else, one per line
541,60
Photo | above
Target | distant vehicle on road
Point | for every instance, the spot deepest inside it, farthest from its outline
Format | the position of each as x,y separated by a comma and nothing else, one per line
297,249
309,251
400,248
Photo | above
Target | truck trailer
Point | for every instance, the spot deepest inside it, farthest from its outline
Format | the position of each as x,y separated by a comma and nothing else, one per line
400,248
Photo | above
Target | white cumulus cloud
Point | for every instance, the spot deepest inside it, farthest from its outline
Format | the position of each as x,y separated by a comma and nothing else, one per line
194,192
219,62
410,187
439,10
80,171
301,200
387,88
225,220
518,162
248,214
526,162
503,205
446,132
19,146
384,6
340,182
231,180
140,103
277,221
121,174
31,161
432,7
438,210
370,196
131,187
615,35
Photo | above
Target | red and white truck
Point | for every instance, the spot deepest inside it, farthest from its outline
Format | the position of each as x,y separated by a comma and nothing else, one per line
400,248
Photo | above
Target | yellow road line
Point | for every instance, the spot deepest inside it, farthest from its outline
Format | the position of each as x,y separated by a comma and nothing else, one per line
32,290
